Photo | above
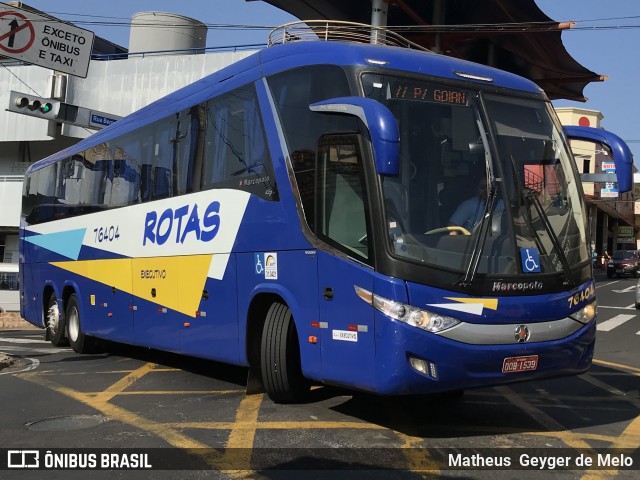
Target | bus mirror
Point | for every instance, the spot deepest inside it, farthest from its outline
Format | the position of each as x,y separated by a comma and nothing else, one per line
622,157
381,123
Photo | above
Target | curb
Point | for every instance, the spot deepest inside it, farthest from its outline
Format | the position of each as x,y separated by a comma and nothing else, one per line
5,361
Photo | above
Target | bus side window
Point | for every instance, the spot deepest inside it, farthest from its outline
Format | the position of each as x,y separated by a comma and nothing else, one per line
162,154
236,150
41,199
342,206
293,91
94,191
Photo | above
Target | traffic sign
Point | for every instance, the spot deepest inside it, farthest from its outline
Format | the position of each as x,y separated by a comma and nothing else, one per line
45,42
20,35
100,121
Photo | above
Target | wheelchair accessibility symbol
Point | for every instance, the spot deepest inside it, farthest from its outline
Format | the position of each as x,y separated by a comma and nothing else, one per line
530,260
259,266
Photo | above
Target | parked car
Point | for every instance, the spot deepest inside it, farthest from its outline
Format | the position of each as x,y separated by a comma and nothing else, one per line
624,262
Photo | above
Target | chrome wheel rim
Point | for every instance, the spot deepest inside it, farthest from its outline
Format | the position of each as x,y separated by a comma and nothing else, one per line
53,318
73,322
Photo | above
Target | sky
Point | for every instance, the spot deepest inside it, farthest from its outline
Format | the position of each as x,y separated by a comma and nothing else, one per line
605,40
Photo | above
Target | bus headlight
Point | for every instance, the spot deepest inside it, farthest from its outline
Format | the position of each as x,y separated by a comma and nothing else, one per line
416,317
586,313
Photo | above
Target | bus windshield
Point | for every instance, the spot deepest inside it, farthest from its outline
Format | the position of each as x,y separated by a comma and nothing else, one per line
484,179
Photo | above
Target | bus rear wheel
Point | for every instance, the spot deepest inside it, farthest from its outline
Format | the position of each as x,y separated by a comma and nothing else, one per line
80,342
55,323
280,357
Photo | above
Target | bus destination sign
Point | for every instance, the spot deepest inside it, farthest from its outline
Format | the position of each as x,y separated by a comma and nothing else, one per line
424,92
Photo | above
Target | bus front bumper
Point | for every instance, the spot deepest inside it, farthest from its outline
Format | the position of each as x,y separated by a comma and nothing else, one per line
449,365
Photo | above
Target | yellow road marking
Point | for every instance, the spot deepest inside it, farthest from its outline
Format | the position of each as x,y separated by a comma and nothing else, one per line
172,437
246,422
240,442
69,374
583,436
413,447
124,382
416,454
617,365
183,392
278,425
244,428
629,438
117,413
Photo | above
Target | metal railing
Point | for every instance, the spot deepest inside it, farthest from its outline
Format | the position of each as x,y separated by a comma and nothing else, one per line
333,30
11,178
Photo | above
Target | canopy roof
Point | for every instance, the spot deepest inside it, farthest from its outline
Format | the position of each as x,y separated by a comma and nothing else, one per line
513,36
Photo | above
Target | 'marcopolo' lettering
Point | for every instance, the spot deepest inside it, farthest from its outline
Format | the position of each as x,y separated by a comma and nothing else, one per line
184,221
516,286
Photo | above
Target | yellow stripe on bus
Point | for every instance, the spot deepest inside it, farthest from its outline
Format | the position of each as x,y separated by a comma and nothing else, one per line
490,303
177,282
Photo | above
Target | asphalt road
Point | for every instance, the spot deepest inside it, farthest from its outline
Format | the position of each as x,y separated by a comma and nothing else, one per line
194,417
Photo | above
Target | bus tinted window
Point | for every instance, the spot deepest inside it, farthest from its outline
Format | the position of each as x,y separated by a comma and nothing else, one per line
166,158
39,199
235,148
293,91
342,204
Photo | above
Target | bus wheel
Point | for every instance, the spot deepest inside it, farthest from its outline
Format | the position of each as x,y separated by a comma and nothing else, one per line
80,342
280,357
55,323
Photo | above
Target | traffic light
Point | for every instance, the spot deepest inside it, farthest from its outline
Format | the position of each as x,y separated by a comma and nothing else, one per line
61,112
34,106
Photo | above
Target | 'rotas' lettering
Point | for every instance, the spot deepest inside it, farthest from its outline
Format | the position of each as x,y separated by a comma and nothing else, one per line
158,230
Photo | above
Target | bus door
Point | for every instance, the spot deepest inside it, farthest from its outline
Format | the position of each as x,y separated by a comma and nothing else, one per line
342,221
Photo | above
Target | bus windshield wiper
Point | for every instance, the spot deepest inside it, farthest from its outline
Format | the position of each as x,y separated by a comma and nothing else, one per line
531,196
481,238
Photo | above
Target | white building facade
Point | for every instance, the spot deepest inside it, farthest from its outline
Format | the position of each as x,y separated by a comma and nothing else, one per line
118,84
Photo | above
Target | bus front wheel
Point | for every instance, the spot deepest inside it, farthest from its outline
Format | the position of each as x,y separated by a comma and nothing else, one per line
280,357
80,342
55,323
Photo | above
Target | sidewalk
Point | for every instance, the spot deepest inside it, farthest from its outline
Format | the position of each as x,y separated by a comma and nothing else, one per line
14,322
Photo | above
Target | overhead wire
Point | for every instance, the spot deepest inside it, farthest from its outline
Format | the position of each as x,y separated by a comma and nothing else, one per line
106,21
19,79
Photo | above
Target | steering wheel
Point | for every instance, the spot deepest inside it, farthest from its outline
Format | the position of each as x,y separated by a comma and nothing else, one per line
451,228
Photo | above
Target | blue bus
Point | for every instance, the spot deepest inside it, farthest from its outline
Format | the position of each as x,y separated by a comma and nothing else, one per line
299,213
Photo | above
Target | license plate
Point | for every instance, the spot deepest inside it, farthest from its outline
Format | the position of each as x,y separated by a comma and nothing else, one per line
619,270
520,364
